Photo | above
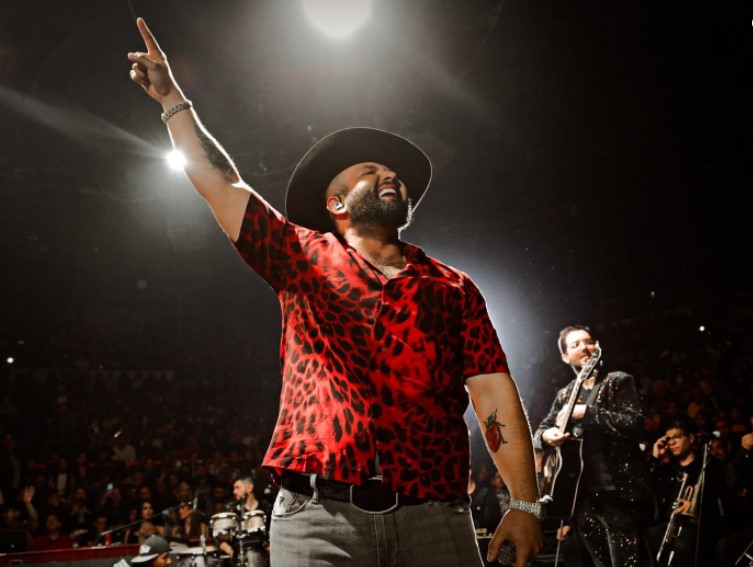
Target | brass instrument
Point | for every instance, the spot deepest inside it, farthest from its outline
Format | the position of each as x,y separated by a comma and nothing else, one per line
746,559
693,493
674,527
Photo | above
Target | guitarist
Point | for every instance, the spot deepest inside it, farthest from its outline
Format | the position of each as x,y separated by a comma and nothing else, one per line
608,499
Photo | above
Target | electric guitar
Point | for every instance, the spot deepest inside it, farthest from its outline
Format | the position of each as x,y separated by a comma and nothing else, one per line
564,466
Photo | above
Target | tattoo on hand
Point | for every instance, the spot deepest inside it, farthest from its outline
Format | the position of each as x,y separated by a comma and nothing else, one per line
216,156
494,437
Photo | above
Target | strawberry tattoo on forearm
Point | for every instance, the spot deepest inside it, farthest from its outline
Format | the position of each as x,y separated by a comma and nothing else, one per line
494,437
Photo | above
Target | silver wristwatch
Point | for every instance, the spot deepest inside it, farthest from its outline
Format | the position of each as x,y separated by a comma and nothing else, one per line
537,508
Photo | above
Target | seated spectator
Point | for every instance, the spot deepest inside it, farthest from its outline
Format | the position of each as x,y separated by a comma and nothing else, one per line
54,505
53,537
15,532
189,525
501,492
95,536
19,514
114,506
151,524
80,513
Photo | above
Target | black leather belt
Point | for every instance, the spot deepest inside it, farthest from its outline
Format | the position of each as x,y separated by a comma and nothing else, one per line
369,497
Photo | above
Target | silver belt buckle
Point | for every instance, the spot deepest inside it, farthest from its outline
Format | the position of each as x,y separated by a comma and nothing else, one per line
378,512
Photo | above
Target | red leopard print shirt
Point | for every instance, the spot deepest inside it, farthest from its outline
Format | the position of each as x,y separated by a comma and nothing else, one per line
370,364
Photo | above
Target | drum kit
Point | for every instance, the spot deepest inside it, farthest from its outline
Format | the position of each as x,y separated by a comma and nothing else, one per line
246,535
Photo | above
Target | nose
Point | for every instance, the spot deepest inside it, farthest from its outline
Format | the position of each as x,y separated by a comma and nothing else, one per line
389,176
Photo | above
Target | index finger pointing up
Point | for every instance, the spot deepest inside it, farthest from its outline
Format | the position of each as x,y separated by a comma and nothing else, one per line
152,46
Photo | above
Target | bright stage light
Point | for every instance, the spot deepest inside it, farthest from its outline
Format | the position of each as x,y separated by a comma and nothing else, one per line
337,18
10,360
176,160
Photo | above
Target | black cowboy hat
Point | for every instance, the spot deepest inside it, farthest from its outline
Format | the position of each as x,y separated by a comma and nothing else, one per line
304,202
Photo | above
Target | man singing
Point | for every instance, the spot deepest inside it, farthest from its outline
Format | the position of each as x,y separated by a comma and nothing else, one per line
380,346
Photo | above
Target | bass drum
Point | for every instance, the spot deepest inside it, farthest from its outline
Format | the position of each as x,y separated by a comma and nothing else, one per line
251,556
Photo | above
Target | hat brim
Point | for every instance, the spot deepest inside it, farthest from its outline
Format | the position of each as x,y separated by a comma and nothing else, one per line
145,558
305,203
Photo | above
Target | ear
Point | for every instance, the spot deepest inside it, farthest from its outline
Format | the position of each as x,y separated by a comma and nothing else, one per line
565,359
335,205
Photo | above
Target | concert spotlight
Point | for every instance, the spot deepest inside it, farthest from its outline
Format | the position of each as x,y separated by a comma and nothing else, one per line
10,360
337,18
176,160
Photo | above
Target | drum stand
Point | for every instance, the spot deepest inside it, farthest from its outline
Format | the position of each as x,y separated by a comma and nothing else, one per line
249,554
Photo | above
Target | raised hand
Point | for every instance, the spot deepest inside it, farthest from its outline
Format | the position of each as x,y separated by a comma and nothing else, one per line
150,69
660,447
28,494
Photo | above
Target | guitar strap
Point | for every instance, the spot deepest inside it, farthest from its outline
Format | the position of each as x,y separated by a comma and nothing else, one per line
594,392
577,430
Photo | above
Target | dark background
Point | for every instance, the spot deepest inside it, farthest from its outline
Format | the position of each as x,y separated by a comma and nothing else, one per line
592,164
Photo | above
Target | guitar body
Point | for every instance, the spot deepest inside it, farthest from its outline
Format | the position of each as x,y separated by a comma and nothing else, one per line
566,464
564,467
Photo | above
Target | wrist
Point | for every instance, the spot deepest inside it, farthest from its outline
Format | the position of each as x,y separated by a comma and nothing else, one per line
536,508
175,109
174,97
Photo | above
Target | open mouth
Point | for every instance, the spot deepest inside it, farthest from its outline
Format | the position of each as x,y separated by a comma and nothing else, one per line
388,191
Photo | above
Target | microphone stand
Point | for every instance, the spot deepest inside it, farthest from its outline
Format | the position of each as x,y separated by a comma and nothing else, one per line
701,485
164,512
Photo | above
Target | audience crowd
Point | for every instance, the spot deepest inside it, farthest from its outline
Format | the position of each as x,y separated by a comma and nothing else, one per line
94,457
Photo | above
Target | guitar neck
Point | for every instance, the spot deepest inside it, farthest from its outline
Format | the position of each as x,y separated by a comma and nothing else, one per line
583,375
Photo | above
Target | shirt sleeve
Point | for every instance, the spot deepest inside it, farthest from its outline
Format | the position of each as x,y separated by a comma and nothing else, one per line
482,351
266,240
550,419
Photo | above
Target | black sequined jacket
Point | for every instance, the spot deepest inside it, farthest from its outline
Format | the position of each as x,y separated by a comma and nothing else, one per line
615,416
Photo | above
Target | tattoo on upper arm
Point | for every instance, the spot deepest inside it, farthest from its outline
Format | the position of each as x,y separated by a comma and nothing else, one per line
216,156
494,437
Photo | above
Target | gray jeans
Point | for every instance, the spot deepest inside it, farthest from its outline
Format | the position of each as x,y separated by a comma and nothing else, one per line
309,532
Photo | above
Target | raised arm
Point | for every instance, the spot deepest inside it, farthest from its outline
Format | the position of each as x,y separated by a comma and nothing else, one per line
508,437
209,168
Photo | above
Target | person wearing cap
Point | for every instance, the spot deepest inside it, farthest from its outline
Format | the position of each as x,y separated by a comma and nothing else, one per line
381,345
154,552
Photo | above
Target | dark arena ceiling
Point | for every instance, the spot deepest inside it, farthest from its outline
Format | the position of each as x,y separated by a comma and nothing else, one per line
591,164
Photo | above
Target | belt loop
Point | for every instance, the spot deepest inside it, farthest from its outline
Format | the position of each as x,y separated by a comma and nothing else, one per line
315,492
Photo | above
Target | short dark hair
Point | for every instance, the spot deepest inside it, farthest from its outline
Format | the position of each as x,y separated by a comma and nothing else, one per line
245,479
685,426
566,331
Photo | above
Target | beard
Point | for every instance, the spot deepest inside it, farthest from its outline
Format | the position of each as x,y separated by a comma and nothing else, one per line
366,210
